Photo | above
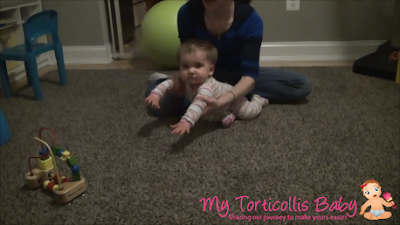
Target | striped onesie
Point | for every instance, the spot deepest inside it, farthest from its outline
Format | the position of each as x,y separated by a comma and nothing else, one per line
242,108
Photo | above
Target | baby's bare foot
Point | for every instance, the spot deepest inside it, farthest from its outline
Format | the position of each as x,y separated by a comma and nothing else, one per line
374,217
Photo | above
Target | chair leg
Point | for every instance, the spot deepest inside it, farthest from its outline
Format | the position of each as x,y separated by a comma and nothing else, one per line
58,51
4,79
34,78
28,76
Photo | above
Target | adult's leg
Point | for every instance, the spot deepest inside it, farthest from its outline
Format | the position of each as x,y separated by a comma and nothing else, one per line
169,105
281,86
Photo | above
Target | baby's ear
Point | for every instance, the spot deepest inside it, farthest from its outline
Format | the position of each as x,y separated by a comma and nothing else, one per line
212,69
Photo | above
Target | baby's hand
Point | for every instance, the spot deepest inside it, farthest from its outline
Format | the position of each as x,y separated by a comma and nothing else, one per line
153,100
181,128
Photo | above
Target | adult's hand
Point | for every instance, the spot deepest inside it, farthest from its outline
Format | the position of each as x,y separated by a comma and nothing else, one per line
215,105
222,104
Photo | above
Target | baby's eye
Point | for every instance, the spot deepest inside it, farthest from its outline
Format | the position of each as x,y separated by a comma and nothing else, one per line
376,189
367,192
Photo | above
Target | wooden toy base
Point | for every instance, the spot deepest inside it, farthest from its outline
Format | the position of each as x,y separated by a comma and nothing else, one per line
70,190
39,176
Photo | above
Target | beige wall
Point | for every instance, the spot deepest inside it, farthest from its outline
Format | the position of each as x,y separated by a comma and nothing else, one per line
326,20
322,20
79,21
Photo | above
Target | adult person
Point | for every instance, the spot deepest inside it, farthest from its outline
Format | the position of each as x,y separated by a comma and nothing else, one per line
236,29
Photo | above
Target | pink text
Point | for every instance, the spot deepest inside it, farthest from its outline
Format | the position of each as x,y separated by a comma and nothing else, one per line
322,205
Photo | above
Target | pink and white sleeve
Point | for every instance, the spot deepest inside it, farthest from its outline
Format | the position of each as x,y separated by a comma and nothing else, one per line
162,88
196,109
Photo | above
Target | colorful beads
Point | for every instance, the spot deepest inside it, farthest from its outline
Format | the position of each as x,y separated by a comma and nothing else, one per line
75,168
65,155
59,152
46,164
63,179
44,154
44,151
50,186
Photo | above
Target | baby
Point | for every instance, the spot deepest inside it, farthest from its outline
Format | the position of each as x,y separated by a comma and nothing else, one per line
372,191
197,59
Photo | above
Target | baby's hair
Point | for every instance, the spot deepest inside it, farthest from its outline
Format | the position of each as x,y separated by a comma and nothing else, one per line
370,181
193,45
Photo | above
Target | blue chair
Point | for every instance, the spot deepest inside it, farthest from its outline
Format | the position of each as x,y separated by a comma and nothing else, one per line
5,134
36,26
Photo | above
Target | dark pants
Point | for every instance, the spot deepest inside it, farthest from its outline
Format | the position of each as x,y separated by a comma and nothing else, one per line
276,85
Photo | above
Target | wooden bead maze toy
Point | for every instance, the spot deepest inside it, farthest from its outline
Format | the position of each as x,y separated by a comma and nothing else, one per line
65,189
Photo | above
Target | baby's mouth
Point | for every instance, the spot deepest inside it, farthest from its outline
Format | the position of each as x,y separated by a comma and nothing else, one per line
374,196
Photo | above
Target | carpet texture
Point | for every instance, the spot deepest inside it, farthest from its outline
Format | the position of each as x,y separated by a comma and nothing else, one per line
138,173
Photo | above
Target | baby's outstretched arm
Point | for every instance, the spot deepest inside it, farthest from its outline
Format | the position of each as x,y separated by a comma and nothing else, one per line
158,92
196,109
365,206
162,87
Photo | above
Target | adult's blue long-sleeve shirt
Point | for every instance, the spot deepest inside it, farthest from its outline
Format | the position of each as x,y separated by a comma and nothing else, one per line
238,48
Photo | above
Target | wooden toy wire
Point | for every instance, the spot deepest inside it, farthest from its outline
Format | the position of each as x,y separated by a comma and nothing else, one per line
29,163
54,161
52,132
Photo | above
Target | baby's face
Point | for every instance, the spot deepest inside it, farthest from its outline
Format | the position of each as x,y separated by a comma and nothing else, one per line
195,67
372,191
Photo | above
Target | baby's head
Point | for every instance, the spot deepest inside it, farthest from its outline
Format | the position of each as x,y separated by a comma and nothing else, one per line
197,59
371,189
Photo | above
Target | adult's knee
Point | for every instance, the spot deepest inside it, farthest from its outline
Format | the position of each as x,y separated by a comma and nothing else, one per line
151,86
305,89
153,112
169,105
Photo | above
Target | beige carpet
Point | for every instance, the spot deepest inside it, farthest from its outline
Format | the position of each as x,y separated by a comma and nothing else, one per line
139,173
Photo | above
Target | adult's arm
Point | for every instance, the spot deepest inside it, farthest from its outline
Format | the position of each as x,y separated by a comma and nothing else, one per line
253,35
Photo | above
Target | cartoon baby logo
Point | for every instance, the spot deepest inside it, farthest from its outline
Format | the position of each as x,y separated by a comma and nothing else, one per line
372,191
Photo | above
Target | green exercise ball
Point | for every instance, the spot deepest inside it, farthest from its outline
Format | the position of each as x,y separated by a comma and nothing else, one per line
160,33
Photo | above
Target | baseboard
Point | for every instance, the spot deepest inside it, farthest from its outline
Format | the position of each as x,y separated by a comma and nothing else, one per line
314,51
317,50
78,55
270,51
73,55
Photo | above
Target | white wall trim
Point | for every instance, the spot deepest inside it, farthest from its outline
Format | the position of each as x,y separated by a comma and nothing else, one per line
73,55
103,21
19,72
77,55
313,51
317,50
270,52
